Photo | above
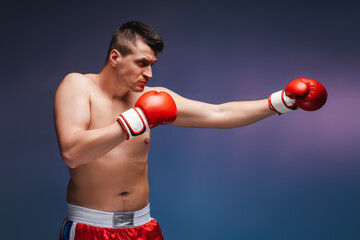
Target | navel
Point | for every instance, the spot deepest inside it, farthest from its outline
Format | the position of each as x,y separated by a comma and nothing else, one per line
146,140
123,194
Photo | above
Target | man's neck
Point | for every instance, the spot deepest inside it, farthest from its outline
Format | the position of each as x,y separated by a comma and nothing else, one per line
108,82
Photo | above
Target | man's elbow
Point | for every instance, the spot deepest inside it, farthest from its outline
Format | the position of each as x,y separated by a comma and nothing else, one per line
69,159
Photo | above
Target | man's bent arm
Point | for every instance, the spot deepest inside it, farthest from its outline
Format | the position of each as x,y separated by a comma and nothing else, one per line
78,145
86,146
227,115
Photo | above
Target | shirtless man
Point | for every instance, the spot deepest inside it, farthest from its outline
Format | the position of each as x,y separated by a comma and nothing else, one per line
104,140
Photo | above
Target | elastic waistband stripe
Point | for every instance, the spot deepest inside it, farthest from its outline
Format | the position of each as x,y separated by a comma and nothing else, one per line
108,219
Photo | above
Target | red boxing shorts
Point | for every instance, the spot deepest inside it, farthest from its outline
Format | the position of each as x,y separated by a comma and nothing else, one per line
85,224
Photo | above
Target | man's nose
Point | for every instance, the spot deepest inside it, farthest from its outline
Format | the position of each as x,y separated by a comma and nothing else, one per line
148,72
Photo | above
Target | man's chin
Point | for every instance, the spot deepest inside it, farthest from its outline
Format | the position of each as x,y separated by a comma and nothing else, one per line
139,89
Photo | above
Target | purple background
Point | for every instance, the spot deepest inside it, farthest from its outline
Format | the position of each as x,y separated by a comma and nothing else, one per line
294,176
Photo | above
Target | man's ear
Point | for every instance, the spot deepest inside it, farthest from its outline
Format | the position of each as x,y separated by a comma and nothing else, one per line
114,57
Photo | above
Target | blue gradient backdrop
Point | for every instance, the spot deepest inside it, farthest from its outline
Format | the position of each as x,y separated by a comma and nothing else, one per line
290,177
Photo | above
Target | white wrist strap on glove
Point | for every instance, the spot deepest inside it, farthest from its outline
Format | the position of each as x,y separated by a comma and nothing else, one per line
280,103
134,122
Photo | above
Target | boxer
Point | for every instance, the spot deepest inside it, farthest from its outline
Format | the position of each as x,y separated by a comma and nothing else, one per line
103,123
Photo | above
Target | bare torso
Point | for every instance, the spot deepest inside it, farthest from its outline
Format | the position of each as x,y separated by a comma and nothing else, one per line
117,181
114,177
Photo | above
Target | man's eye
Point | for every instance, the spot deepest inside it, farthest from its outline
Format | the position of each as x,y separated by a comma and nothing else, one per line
143,63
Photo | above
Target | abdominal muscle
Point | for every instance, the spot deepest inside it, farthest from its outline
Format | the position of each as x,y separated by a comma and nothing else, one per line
117,182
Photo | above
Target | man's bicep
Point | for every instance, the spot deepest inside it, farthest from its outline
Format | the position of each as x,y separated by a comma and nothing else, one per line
193,113
71,108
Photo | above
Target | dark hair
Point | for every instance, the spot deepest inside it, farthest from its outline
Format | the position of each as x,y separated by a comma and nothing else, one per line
129,33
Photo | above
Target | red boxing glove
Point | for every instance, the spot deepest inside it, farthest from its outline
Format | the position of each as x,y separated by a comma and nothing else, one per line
309,95
151,109
158,107
305,93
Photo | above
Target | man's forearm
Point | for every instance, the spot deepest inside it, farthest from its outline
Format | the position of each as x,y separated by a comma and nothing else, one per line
88,145
238,114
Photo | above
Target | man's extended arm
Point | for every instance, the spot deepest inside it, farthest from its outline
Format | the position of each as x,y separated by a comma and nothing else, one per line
304,93
227,115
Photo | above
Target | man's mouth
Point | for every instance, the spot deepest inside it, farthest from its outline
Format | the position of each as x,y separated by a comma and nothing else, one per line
144,82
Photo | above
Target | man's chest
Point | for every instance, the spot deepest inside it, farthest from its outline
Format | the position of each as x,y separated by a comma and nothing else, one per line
104,111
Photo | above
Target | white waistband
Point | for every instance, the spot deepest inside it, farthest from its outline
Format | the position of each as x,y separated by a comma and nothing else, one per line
108,219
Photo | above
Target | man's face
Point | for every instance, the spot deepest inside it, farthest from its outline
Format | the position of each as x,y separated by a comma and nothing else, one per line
135,68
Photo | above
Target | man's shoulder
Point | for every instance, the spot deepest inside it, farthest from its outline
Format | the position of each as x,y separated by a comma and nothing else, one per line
76,80
74,83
